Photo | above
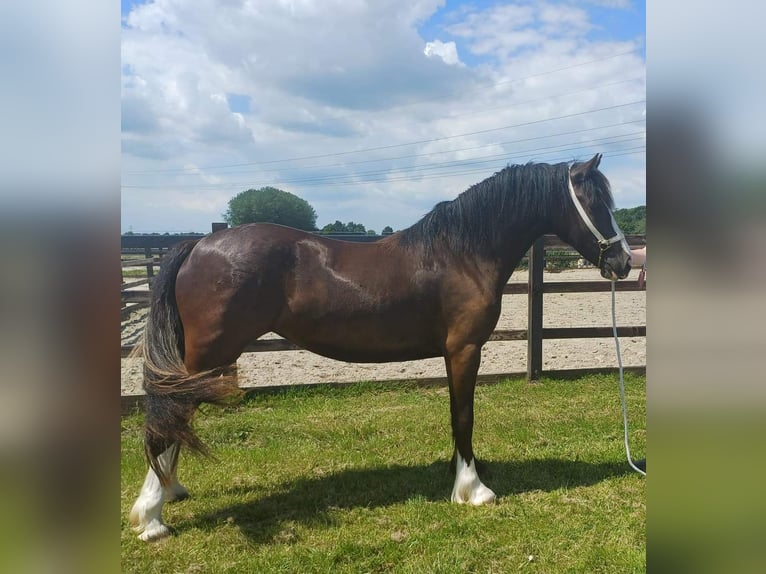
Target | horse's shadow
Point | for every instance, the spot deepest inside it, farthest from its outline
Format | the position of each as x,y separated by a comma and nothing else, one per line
312,500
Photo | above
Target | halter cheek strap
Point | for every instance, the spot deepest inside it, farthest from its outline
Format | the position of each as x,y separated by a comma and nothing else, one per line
603,243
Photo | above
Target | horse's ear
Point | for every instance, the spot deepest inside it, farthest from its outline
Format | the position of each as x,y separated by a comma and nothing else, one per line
582,170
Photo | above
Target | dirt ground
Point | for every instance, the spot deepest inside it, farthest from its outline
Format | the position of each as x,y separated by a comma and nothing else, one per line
560,310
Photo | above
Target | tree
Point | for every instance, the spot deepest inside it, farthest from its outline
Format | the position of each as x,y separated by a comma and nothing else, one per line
387,230
337,227
340,227
352,227
270,205
631,220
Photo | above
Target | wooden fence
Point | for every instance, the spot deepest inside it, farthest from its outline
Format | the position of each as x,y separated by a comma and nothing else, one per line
146,251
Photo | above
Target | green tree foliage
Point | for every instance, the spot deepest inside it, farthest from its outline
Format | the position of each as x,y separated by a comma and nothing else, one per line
352,227
337,227
270,205
632,220
340,227
387,230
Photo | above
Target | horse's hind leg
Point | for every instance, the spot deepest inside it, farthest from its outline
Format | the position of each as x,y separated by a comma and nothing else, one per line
174,491
146,514
462,367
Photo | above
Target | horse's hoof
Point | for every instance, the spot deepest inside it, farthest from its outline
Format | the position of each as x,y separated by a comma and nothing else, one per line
482,495
154,532
147,528
468,488
476,497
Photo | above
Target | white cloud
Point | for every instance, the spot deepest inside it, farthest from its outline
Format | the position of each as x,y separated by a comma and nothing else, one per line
447,51
502,31
564,20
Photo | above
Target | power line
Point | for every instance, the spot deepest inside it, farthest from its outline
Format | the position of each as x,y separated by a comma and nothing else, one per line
421,168
577,143
427,154
392,146
497,166
249,167
385,175
452,116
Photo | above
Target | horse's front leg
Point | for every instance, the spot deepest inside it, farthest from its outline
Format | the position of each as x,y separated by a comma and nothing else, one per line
462,367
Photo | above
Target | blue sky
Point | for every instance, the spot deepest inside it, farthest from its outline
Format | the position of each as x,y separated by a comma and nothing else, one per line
371,111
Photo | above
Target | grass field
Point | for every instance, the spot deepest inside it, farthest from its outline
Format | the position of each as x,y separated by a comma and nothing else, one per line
134,272
356,479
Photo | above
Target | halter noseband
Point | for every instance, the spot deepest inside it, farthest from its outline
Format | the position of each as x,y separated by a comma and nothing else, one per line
603,243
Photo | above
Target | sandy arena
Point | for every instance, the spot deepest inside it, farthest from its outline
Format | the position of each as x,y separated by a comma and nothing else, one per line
560,310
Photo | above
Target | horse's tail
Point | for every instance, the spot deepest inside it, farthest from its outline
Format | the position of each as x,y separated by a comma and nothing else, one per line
172,393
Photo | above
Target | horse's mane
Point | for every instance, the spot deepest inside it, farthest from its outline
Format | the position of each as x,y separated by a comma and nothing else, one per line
469,223
474,222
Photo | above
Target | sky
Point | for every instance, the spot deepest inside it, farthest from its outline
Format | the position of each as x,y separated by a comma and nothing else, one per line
372,111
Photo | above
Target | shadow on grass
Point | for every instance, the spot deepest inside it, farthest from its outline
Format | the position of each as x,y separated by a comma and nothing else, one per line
310,501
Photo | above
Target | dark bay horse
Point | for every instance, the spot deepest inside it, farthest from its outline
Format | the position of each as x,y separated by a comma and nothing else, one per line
434,289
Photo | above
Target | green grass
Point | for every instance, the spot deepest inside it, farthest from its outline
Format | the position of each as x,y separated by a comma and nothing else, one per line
134,272
356,479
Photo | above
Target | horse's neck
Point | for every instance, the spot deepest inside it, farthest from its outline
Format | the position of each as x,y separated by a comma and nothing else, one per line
497,270
518,242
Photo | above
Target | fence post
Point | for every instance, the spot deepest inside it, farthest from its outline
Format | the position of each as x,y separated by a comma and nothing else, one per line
149,266
535,311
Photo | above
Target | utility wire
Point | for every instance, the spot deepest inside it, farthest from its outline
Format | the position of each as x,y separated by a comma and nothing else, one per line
440,152
569,146
392,146
494,166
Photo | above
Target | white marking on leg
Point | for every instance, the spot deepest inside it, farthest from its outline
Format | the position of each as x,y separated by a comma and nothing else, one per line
468,488
146,514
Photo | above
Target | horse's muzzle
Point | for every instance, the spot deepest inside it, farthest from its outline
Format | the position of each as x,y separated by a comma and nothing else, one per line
615,270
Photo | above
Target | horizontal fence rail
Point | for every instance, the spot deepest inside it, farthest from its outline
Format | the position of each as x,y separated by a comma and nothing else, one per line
510,289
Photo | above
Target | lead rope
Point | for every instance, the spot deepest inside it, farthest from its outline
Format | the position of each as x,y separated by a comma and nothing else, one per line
622,385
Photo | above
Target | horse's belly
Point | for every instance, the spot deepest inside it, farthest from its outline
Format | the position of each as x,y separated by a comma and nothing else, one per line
364,345
362,355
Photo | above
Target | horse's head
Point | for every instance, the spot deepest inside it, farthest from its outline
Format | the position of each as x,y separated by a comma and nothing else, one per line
587,223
